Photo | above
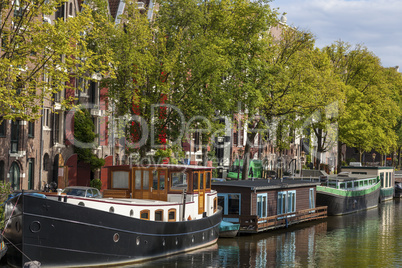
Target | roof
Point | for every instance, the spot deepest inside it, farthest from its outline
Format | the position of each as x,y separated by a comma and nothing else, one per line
168,166
262,184
354,167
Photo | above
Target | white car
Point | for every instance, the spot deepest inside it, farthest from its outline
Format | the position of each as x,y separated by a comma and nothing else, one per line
83,191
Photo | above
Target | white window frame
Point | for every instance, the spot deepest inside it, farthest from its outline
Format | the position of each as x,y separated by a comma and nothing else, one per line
286,207
226,202
261,212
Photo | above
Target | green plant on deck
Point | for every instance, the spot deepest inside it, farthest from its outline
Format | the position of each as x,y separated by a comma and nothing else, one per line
96,183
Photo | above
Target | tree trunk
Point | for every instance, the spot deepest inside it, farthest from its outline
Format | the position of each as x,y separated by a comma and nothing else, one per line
246,162
339,162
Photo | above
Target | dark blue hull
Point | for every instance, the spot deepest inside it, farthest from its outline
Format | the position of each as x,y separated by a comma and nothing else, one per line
60,234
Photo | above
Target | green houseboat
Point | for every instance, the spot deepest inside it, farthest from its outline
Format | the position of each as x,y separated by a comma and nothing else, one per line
254,171
348,193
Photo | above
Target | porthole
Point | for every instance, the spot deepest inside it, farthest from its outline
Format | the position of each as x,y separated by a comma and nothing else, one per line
138,241
116,237
131,213
35,226
203,236
212,233
111,209
192,239
177,241
81,204
163,242
17,226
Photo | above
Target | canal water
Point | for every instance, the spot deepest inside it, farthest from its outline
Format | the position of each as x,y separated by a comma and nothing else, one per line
370,238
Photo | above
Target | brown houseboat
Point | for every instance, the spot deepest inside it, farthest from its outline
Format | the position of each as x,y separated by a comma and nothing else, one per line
260,205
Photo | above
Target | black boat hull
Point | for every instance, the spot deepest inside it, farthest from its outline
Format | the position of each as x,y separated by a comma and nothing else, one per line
61,234
340,205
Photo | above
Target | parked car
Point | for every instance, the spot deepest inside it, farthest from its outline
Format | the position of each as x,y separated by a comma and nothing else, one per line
82,191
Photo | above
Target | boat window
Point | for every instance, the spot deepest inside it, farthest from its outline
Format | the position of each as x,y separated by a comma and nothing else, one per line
138,179
145,180
144,214
159,215
262,204
201,181
195,181
155,180
161,180
111,209
361,183
208,182
342,185
286,202
350,184
230,203
366,182
179,181
382,179
215,204
120,179
172,214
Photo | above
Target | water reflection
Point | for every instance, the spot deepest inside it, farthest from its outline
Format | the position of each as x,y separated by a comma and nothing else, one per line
368,238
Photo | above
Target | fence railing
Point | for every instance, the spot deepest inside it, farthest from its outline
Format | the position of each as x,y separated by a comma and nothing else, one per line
255,224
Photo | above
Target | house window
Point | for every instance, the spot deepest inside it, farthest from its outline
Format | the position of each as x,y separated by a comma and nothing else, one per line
311,198
120,180
2,127
2,171
46,117
159,215
262,205
144,214
286,202
30,173
15,135
31,129
172,214
230,203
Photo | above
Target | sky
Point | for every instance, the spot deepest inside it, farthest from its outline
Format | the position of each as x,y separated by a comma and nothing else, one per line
376,24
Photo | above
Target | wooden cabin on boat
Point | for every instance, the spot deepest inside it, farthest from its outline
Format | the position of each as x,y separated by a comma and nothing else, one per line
188,186
385,174
260,204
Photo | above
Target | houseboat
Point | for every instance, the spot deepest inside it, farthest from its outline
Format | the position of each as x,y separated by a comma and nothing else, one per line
386,175
263,204
347,193
146,212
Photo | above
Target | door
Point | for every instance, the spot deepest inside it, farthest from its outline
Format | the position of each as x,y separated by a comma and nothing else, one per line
15,176
159,191
201,193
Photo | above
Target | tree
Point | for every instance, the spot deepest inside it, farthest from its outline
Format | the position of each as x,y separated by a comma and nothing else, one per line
369,116
84,139
39,57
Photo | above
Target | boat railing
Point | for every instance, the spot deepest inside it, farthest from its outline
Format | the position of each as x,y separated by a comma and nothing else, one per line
252,223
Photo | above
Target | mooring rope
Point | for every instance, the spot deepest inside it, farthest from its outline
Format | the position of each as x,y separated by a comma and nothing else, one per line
5,226
12,212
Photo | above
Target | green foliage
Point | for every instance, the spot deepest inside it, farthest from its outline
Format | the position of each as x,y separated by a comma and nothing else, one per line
84,139
5,191
96,183
39,55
